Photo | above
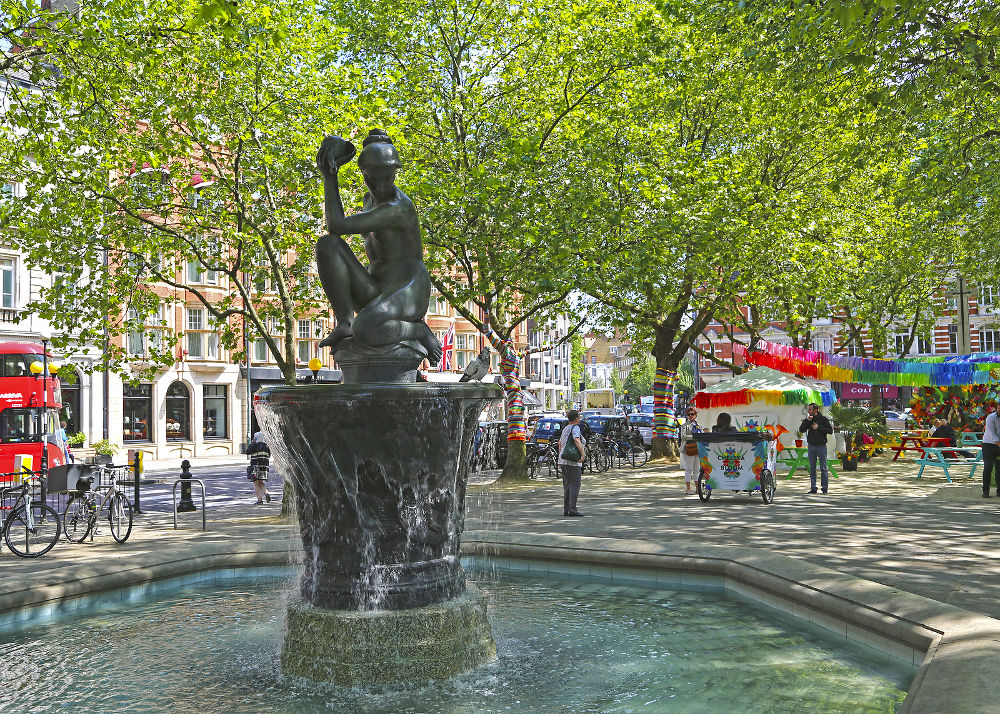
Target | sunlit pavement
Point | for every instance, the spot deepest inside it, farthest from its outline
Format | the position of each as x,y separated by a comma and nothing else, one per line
881,523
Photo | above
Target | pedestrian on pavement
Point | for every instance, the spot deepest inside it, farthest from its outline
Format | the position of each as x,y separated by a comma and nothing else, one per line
65,442
991,449
690,460
260,456
817,428
571,456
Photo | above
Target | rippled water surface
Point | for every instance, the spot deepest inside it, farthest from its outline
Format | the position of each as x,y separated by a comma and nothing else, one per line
564,646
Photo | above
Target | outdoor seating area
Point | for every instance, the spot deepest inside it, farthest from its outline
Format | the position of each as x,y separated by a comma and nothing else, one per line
945,458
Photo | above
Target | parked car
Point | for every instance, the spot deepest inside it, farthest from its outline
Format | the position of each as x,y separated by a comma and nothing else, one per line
489,446
643,423
546,429
894,420
646,408
607,424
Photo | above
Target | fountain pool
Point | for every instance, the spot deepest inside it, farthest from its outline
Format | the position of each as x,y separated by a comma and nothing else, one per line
565,643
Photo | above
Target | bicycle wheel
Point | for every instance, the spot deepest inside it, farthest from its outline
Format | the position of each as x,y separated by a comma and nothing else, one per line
704,490
120,517
639,457
32,530
552,463
601,461
78,519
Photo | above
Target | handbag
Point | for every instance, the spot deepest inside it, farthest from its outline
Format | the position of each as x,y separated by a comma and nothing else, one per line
691,448
570,452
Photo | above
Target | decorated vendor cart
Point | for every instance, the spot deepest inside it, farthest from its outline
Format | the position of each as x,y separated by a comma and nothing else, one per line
737,461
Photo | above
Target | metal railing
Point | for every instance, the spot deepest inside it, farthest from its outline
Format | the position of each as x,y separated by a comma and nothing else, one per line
201,483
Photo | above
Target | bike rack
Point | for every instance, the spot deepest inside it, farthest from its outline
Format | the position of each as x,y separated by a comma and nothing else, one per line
201,483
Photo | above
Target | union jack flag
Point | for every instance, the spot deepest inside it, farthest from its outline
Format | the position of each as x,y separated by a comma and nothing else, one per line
448,350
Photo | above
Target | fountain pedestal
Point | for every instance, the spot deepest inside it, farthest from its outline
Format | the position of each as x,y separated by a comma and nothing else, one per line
379,472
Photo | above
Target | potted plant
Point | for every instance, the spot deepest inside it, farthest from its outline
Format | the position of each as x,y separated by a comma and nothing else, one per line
853,423
76,440
105,449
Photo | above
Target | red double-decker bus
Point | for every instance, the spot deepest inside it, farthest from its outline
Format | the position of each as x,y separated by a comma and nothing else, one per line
29,409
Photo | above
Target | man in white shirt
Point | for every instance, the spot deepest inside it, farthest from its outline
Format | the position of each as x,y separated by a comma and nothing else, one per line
572,471
991,449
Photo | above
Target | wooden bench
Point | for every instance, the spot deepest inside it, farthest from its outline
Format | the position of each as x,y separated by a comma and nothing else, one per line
947,456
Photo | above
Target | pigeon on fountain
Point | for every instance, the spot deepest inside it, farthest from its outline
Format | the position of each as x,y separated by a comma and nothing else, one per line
478,367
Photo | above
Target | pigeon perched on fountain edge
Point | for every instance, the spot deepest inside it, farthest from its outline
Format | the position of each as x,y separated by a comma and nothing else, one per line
478,367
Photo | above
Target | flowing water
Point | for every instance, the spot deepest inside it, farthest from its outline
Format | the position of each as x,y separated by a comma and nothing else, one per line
565,645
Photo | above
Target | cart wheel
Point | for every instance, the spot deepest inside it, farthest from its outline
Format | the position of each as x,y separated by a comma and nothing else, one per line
767,485
704,490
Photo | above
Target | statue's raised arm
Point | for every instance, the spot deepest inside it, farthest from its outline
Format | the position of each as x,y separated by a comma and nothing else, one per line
380,310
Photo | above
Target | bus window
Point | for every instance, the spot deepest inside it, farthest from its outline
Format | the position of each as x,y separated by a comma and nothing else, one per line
14,366
19,426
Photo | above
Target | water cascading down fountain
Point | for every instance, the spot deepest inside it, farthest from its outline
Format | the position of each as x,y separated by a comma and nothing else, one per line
379,463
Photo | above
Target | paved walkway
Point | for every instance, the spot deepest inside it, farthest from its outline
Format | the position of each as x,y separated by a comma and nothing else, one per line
924,536
880,523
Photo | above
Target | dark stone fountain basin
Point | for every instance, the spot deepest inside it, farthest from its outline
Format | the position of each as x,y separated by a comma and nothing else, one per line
379,472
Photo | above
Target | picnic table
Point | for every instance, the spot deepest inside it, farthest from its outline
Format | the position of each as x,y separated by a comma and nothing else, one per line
918,443
792,457
943,457
971,438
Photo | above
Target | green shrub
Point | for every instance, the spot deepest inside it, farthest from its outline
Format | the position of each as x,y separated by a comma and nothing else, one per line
105,448
77,439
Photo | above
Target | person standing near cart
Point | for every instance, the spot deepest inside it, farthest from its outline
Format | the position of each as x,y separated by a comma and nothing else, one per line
571,456
689,451
817,428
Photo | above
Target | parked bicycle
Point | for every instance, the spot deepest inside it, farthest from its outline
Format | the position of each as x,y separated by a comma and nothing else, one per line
84,508
543,459
624,450
32,527
596,460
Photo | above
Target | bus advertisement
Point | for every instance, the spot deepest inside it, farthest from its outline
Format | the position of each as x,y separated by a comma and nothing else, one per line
30,401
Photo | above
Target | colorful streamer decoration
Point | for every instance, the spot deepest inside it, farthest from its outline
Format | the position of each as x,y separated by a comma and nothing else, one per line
510,367
914,372
721,400
664,417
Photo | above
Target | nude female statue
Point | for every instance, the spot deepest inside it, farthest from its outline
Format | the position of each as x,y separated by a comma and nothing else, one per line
385,304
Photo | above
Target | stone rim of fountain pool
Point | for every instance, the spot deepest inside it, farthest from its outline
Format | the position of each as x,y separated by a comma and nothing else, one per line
956,649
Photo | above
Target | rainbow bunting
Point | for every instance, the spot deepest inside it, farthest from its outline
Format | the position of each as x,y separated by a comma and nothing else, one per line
977,368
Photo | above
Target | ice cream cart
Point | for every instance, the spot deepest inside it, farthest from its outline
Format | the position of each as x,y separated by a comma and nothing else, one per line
737,461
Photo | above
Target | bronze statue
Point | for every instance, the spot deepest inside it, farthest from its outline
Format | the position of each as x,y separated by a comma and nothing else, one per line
379,309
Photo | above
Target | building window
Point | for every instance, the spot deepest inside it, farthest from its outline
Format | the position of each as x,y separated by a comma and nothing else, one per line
556,373
548,372
534,367
7,191
215,411
138,403
178,412
260,352
822,344
953,339
987,296
8,281
901,344
924,346
593,359
989,340
201,343
304,351
198,275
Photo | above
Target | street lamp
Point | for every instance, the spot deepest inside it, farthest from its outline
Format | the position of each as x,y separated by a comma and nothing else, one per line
315,364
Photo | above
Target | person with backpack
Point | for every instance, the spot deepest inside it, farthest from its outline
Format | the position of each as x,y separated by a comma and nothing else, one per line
571,456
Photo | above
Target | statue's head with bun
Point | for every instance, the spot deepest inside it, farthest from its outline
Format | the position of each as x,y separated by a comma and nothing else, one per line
379,162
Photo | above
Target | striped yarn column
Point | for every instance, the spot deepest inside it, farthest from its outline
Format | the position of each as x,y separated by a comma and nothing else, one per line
510,367
664,419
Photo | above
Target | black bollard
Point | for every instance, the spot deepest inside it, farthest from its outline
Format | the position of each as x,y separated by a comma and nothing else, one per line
186,505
